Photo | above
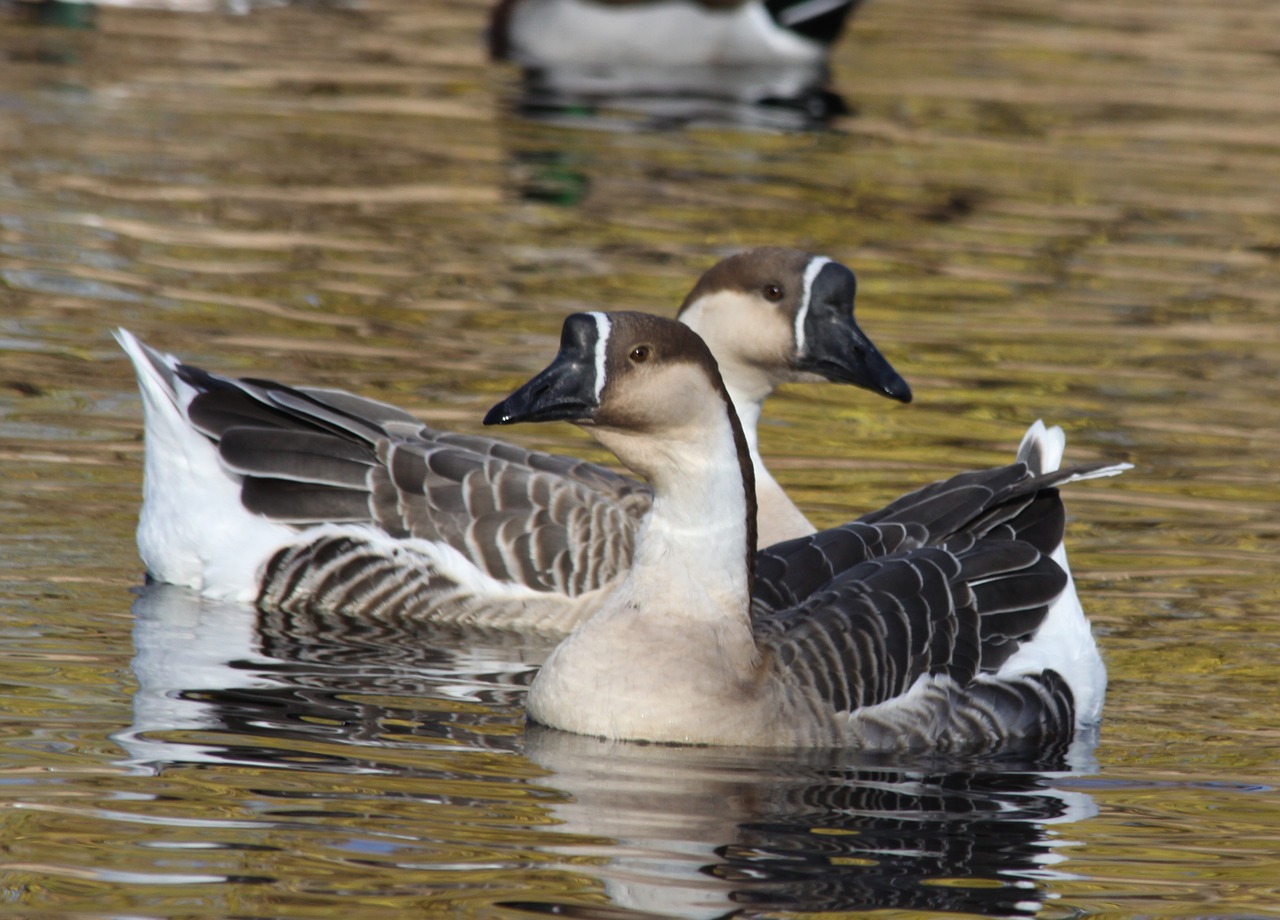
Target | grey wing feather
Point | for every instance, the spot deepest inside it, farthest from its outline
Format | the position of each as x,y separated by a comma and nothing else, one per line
344,574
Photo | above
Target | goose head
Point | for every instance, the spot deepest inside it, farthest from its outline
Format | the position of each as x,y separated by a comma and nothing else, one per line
626,371
774,315
646,387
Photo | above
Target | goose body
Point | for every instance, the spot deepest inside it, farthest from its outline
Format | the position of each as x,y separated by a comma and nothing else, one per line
936,624
301,498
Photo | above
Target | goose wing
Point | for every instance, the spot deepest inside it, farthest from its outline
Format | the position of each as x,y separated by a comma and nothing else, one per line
1010,502
899,626
903,652
313,456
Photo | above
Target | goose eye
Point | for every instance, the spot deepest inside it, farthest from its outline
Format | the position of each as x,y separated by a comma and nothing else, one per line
640,354
773,292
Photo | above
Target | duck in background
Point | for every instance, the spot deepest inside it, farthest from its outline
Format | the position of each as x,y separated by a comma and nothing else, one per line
935,625
761,62
302,499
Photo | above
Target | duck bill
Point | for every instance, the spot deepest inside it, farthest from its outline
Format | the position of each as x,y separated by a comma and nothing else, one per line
564,392
835,347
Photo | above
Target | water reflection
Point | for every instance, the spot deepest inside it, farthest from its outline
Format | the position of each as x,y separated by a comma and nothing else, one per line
269,679
663,830
690,828
753,63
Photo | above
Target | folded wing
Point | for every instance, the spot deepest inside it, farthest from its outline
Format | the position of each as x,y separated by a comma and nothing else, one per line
901,627
311,456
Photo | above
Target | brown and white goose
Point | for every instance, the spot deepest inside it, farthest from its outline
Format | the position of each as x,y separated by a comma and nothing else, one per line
300,498
926,626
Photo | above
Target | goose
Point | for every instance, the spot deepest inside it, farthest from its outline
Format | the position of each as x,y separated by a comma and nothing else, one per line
311,500
926,627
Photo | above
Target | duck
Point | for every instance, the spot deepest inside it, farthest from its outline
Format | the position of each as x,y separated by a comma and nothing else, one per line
666,33
926,627
311,500
675,59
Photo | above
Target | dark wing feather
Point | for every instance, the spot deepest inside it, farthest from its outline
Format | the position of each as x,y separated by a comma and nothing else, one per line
787,573
304,456
877,628
949,503
869,635
302,503
1034,712
1009,503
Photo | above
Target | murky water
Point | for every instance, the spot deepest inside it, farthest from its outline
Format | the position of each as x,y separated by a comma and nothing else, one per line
1068,211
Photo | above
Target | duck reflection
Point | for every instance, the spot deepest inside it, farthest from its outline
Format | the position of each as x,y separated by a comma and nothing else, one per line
760,63
661,830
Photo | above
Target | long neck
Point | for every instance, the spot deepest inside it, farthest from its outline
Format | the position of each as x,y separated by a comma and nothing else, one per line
747,382
777,516
748,405
702,527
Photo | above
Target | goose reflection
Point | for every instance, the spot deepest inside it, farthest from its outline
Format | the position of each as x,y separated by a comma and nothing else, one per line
264,681
694,828
759,63
669,831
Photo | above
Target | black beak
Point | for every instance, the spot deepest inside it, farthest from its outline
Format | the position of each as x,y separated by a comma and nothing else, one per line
834,347
566,390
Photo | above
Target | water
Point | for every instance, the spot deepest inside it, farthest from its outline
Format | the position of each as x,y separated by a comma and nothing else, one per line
1068,211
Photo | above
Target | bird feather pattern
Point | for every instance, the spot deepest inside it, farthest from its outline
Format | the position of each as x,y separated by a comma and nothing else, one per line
310,456
903,618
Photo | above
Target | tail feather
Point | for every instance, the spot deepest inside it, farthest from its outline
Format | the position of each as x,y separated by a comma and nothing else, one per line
157,373
1042,448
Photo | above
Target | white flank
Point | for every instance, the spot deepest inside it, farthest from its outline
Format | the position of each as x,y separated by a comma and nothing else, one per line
193,530
669,33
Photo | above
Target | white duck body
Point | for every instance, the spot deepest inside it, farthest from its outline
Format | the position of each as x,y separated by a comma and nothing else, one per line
317,499
662,34
883,635
647,51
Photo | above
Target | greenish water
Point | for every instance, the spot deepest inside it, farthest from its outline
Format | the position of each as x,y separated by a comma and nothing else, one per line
1068,211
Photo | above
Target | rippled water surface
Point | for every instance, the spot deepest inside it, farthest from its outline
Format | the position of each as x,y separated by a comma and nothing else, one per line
1066,210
